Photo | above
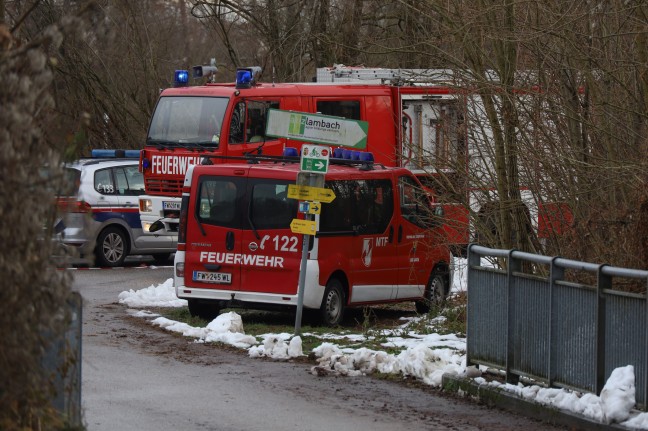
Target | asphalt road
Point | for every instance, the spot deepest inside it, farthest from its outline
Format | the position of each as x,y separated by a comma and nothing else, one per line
139,377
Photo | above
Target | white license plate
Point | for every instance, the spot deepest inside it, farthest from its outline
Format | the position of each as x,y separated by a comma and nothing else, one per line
212,277
171,205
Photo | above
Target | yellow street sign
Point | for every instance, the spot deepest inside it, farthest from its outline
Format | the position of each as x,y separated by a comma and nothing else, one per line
307,193
306,227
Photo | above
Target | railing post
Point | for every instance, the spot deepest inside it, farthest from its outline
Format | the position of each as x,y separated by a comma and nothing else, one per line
602,282
511,344
645,358
474,259
555,273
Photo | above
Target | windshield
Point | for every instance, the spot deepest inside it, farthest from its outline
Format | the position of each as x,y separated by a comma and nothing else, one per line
187,121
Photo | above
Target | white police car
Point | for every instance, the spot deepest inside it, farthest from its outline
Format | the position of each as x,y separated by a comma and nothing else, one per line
101,213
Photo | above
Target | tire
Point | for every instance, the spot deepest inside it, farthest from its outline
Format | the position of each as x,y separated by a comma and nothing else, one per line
161,257
333,303
203,309
435,293
113,245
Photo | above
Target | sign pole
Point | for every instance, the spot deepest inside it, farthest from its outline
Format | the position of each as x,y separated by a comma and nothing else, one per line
302,270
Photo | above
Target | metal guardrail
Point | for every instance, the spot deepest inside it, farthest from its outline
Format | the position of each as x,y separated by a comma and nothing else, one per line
551,330
63,360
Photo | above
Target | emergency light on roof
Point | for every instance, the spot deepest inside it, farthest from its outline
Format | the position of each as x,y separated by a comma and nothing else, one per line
181,78
115,154
246,76
290,152
345,154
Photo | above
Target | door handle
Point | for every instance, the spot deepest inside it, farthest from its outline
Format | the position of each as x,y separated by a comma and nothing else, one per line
400,233
229,240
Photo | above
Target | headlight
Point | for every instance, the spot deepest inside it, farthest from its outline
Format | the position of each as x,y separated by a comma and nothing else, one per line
146,206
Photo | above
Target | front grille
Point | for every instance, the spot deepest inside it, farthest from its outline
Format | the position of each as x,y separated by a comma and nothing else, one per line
164,186
171,213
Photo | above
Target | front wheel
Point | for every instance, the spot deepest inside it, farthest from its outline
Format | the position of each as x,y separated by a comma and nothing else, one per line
435,293
332,309
112,247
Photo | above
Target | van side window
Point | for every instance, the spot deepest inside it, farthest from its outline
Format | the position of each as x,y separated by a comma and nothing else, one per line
270,207
217,202
414,202
249,120
340,108
360,206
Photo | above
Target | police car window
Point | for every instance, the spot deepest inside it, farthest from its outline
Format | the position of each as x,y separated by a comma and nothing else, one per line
217,202
340,108
414,202
270,207
129,181
135,180
103,182
360,206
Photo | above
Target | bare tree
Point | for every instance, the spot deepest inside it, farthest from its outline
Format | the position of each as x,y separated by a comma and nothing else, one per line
34,293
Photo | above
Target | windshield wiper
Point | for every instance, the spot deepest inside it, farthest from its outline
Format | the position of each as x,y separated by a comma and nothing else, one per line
159,143
205,144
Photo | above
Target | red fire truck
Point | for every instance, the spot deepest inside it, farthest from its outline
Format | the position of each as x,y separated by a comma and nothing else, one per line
410,125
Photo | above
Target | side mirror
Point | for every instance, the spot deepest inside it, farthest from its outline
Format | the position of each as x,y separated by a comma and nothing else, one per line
156,226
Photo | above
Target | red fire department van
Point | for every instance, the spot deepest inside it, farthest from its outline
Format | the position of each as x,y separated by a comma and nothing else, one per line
378,241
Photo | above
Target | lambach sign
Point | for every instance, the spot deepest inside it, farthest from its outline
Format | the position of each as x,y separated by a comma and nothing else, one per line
320,129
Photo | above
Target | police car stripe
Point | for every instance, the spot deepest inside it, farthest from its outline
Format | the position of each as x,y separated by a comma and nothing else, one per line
115,209
140,266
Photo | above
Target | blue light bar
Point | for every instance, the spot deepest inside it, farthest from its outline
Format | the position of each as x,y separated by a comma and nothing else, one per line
290,152
115,154
366,157
181,78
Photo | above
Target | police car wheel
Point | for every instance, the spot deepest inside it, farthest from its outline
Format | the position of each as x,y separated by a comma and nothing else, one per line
112,247
435,293
332,310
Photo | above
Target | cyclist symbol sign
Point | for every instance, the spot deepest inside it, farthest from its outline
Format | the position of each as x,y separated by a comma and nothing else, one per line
315,158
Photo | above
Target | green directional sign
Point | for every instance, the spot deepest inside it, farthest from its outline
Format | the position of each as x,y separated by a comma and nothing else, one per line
316,128
315,158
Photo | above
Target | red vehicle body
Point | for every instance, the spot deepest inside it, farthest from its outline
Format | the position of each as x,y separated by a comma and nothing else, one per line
229,120
375,242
